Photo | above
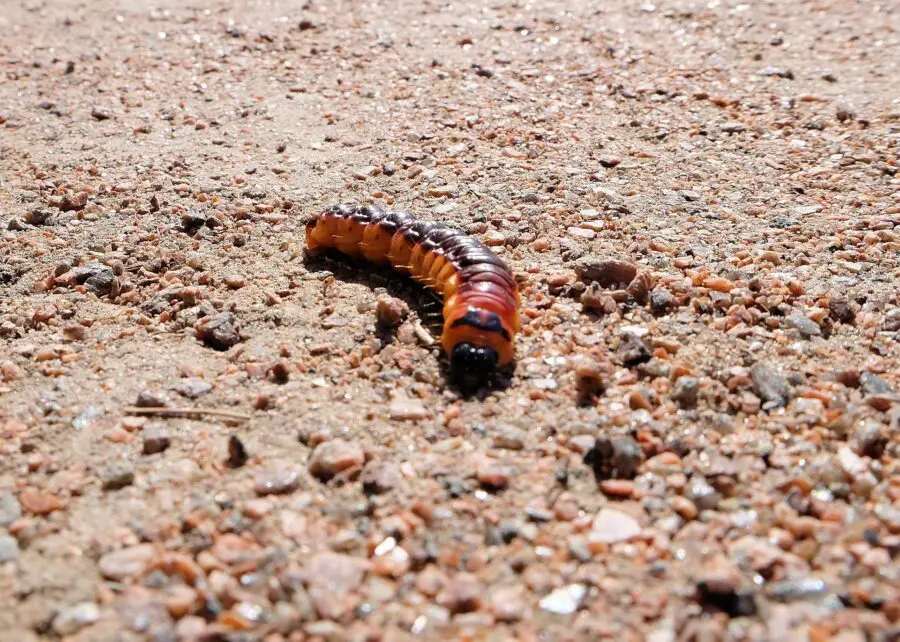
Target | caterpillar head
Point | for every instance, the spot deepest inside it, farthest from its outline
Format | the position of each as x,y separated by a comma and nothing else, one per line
471,365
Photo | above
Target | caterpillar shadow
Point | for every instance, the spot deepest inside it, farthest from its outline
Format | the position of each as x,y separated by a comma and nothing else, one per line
423,301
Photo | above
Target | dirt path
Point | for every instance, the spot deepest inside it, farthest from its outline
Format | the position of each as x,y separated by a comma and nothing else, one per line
700,437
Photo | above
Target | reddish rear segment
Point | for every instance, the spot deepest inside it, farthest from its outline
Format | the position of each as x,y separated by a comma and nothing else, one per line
481,298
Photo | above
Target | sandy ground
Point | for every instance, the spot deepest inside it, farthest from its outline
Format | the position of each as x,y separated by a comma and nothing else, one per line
699,440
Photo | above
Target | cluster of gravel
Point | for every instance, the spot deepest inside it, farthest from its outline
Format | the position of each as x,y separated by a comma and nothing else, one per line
207,435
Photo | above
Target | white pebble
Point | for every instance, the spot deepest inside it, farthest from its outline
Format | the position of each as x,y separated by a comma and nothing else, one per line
564,600
75,618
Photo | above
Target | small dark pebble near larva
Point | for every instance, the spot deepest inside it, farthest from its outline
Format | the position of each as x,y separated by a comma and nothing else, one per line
220,331
237,453
614,458
156,439
116,475
770,384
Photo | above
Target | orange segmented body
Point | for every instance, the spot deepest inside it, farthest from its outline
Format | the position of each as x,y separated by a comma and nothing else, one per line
481,298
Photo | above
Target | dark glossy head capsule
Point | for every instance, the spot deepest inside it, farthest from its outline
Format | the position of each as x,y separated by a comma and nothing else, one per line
472,366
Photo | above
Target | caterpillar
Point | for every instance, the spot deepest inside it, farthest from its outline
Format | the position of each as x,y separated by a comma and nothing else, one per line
480,294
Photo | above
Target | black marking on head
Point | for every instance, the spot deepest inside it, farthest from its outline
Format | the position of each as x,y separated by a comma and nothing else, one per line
483,320
472,366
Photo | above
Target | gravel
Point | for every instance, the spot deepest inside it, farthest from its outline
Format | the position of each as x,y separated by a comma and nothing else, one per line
127,562
220,331
117,475
390,312
381,477
336,457
564,600
156,439
75,618
10,510
277,481
685,391
9,549
698,438
94,277
612,526
770,384
617,458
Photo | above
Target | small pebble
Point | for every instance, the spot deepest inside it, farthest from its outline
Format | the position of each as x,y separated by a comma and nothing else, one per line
594,300
9,548
871,384
462,594
95,277
151,399
633,351
407,410
276,481
702,494
685,391
733,127
493,475
179,600
219,331
117,475
156,439
508,604
10,510
237,452
192,387
74,332
128,562
842,309
591,379
509,437
75,618
620,488
606,272
611,526
804,325
684,507
335,457
39,503
190,627
871,439
390,312
718,284
234,281
661,300
332,577
615,458
380,477
770,384
781,72
565,600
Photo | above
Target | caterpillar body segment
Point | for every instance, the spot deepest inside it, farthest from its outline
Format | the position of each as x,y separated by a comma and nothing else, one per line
481,297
